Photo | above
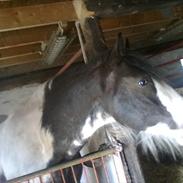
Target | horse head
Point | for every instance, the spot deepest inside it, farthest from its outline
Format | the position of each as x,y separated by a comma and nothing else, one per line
136,97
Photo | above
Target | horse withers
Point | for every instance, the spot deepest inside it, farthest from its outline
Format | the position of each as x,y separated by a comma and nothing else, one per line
117,87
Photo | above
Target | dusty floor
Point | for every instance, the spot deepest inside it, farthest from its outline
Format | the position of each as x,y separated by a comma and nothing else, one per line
155,173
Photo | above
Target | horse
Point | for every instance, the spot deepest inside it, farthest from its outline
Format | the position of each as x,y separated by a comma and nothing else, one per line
116,88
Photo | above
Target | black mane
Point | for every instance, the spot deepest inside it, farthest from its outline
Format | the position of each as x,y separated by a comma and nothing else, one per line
140,62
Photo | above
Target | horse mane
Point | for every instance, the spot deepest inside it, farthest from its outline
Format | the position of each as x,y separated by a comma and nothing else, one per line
139,61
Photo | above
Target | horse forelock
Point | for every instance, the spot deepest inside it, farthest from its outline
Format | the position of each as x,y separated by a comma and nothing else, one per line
138,61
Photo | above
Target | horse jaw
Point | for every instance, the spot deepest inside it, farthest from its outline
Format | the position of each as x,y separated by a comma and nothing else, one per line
171,100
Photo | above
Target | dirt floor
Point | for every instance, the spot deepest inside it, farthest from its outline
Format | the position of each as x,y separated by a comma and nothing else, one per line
156,173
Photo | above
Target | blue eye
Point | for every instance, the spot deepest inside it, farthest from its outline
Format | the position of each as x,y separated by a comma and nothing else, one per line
143,82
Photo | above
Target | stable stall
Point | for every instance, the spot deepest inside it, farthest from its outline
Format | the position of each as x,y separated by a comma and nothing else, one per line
40,40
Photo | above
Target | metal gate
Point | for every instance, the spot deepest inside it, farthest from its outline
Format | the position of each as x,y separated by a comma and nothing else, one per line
110,162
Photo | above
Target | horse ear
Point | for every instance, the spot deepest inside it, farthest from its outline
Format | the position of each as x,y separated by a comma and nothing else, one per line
94,36
121,46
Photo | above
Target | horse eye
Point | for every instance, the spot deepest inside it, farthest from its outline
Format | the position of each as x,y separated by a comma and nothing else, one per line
143,82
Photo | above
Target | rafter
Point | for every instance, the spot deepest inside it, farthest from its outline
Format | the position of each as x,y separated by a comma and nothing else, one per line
18,50
26,36
20,59
36,15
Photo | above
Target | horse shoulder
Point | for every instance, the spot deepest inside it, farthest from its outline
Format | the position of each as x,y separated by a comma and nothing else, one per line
26,141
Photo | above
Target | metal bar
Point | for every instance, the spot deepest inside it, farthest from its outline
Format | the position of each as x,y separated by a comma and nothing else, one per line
85,173
62,166
105,170
51,177
125,167
40,179
77,24
73,173
116,169
62,174
68,64
95,172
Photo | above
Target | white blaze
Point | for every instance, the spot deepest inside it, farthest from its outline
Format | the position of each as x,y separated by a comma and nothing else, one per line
171,100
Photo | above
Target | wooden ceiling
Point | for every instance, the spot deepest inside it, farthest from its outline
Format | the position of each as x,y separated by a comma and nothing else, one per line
26,28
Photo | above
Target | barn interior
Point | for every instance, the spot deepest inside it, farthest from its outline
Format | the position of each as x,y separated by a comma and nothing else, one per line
38,37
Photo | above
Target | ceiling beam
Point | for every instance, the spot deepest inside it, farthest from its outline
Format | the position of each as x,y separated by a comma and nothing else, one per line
24,36
24,79
16,3
135,20
18,50
28,67
124,7
20,59
36,15
172,32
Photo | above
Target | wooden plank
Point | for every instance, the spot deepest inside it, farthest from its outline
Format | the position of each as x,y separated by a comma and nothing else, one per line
24,79
16,3
36,15
134,20
23,36
170,33
19,50
31,67
122,7
20,59
127,30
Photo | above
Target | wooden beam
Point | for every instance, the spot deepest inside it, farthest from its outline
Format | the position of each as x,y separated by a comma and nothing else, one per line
130,30
16,3
81,10
24,79
23,36
19,50
135,20
36,15
20,59
137,27
31,67
171,33
124,7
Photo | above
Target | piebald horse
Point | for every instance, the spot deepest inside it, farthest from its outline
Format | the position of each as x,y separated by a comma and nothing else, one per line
116,88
